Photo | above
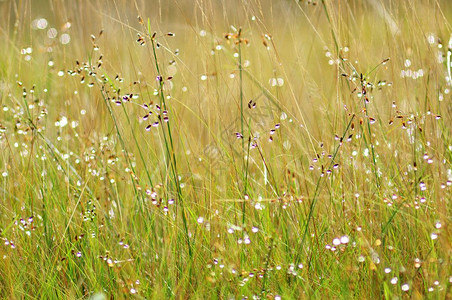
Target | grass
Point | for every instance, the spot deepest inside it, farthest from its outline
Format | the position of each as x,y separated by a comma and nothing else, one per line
225,149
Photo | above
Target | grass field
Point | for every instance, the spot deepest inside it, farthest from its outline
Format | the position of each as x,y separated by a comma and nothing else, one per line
225,149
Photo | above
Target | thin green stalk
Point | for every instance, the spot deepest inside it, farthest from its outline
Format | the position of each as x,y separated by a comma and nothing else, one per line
168,139
118,132
374,160
331,25
242,126
134,137
316,194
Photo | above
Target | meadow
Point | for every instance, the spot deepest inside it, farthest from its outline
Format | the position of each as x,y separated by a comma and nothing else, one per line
225,149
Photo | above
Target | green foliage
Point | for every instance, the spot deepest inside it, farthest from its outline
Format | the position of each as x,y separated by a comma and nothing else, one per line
223,149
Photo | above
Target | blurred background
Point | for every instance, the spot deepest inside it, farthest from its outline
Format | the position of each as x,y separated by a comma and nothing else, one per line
292,40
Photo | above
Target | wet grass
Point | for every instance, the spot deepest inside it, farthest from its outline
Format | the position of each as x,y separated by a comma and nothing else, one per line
271,149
